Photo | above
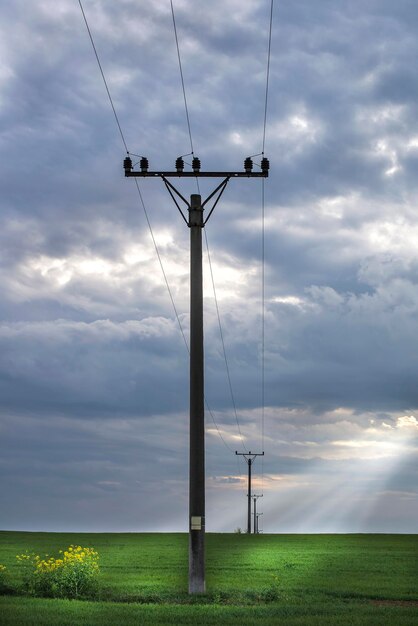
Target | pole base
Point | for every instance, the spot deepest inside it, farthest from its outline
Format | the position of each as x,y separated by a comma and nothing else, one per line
197,561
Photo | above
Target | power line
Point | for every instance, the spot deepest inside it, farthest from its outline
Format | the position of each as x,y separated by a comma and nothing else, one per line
103,76
262,328
137,185
145,210
175,308
161,264
263,250
262,236
147,216
267,77
262,241
206,239
222,341
182,77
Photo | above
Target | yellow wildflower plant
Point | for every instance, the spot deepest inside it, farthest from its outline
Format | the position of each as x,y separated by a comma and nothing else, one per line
3,578
70,575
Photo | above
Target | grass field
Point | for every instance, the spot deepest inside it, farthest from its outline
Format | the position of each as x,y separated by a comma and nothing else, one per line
262,579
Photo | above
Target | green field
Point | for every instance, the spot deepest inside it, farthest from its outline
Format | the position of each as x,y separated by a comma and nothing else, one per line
258,579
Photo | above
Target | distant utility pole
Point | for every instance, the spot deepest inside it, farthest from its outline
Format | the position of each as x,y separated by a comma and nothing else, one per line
250,458
258,515
196,223
255,497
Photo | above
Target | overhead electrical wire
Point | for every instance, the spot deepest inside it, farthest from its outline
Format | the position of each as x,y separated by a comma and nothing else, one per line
144,207
149,223
161,264
262,237
103,76
263,308
222,341
206,239
137,185
182,77
263,327
267,76
262,240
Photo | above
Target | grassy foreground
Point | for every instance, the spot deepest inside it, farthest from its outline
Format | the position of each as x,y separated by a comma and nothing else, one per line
261,580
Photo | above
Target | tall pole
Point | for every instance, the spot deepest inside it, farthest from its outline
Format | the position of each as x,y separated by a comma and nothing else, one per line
197,410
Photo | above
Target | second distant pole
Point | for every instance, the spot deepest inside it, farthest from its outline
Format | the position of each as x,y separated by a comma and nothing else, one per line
249,457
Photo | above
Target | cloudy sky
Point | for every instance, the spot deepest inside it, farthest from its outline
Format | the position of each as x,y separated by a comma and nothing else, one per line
93,366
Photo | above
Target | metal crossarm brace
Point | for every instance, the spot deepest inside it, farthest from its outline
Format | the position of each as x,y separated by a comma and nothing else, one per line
170,188
221,189
168,184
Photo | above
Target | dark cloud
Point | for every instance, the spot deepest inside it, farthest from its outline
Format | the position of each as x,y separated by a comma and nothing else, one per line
93,366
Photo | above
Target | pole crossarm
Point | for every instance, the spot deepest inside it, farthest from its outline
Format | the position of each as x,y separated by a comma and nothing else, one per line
196,172
251,455
262,174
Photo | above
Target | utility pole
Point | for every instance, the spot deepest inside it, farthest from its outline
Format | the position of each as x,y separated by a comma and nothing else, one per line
197,409
250,458
255,497
258,515
196,223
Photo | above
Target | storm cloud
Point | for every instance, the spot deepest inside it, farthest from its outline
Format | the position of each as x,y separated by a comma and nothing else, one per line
93,362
